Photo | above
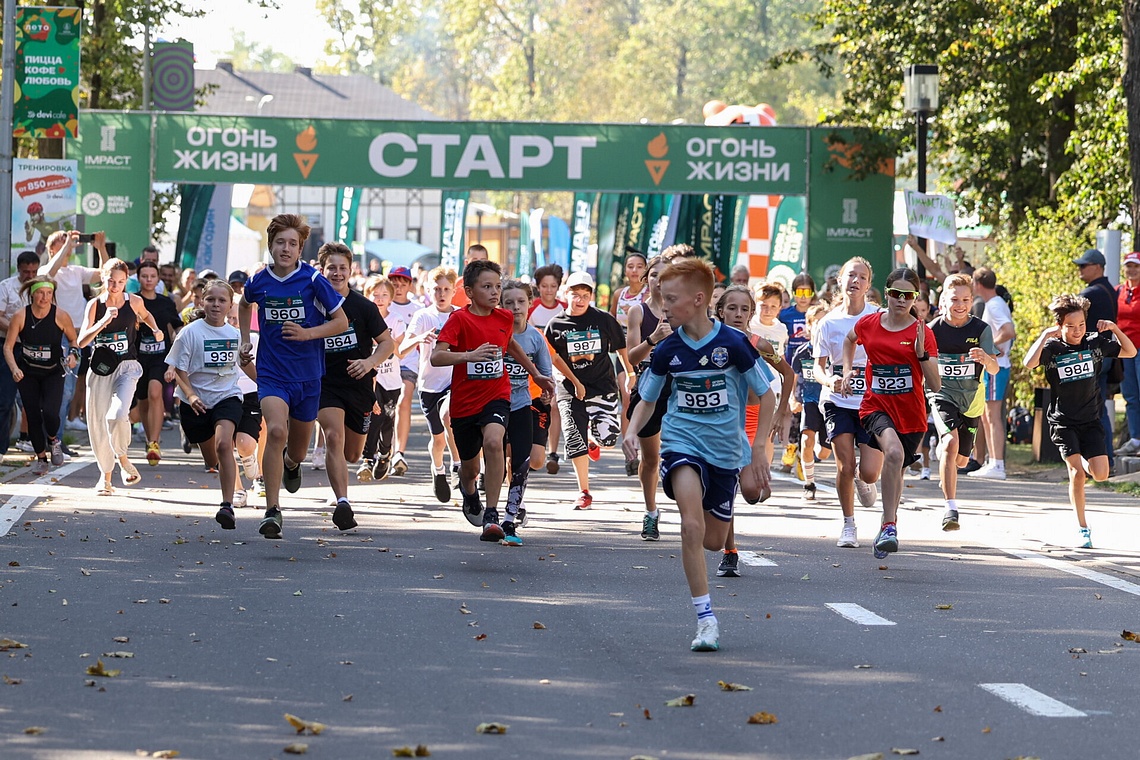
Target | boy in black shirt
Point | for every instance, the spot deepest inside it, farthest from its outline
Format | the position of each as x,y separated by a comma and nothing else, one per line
1072,360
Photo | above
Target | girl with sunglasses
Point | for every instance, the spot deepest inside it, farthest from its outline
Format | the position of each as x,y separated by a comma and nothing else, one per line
899,349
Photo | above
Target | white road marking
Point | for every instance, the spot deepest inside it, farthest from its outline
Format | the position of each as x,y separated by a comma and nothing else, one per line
1031,700
1074,569
24,495
752,559
857,614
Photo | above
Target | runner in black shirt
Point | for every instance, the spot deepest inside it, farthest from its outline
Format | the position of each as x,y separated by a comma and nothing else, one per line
152,391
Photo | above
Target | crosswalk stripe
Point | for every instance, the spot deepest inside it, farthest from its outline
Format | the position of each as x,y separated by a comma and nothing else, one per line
1031,700
858,614
25,495
753,559
1073,569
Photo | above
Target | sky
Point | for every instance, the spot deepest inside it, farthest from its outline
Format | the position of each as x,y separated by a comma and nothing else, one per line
296,29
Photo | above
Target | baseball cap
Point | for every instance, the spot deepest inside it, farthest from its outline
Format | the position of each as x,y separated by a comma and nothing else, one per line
238,276
1091,256
400,272
580,279
208,274
1132,258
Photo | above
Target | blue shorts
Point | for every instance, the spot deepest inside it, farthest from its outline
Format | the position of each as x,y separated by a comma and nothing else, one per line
719,485
996,384
840,420
303,398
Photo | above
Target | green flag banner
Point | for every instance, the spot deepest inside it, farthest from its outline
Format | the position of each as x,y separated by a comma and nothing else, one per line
608,207
657,224
195,208
788,249
708,224
347,207
523,259
114,189
580,231
47,72
453,229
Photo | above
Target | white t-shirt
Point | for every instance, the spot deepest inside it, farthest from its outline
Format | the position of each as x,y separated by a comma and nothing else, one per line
541,314
404,312
69,282
996,315
827,340
432,379
246,384
209,355
388,373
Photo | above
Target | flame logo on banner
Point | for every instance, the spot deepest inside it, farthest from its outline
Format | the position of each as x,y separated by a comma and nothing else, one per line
657,148
306,143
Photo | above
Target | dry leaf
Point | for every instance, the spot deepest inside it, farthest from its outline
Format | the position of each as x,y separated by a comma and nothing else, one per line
464,611
438,577
647,715
726,686
986,730
539,626
871,756
85,573
806,578
943,606
13,563
480,637
164,601
297,748
864,667
346,698
297,593
938,708
763,719
897,751
34,730
11,644
685,701
165,753
1130,636
883,567
421,750
1098,596
938,739
304,725
121,639
1078,650
119,655
13,681
98,670
491,728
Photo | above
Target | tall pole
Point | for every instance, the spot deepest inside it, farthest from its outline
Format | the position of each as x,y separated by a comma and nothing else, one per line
922,179
146,58
7,113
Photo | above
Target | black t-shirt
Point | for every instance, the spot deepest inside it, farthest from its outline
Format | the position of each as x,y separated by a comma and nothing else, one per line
585,343
364,325
168,319
1072,373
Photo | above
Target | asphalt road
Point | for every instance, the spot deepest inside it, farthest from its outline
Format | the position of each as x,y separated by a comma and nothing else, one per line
410,631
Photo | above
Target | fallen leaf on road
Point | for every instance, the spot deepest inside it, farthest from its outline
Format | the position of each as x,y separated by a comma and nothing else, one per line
871,756
346,698
6,644
897,751
296,748
883,567
1078,650
491,728
806,578
480,637
986,730
539,626
13,563
943,606
645,712
463,609
1130,636
98,670
686,701
84,572
119,655
164,601
297,593
938,739
34,730
421,750
13,681
121,639
1098,596
938,708
438,577
763,719
162,753
726,686
864,667
304,725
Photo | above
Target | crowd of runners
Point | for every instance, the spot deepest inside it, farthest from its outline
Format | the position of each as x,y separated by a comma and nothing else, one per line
695,381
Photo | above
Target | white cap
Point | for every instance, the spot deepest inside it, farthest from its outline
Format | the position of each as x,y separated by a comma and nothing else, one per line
579,279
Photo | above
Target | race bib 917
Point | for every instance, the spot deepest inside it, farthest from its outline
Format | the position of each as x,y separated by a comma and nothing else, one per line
891,379
705,395
1078,365
148,345
291,309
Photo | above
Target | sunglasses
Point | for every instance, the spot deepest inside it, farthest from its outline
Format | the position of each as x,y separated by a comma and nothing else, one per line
803,292
902,295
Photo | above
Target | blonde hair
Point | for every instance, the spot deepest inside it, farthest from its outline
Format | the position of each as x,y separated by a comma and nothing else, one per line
447,273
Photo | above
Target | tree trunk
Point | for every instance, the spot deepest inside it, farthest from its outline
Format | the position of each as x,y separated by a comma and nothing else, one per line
98,16
1131,22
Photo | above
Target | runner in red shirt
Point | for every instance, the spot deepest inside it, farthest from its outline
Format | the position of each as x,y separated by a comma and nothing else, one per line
899,348
473,342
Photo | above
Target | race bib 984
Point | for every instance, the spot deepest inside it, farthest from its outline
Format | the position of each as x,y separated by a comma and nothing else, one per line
1078,365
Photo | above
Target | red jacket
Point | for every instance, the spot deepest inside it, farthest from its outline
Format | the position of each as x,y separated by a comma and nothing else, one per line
1127,310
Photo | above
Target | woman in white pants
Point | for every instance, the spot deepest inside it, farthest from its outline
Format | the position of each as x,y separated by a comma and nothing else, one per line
110,323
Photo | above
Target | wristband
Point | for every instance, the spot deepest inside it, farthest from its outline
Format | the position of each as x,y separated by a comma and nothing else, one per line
649,340
925,357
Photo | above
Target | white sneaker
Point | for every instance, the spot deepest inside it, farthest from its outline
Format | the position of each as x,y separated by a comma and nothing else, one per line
75,424
708,636
239,499
866,492
848,538
989,471
925,474
25,446
318,457
1129,449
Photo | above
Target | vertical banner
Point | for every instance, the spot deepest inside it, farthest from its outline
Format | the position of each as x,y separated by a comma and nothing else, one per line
708,224
172,76
580,242
657,225
347,207
47,72
523,260
536,237
195,204
608,207
44,195
214,241
759,224
114,177
787,253
453,228
558,242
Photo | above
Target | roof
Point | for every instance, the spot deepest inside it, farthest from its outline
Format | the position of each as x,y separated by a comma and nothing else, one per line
302,94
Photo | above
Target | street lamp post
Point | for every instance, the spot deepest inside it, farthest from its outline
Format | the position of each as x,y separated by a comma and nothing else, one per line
920,97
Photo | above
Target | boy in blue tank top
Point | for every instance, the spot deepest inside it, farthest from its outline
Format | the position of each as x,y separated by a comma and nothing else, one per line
297,310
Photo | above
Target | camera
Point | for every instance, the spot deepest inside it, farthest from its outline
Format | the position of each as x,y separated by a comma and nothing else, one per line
85,237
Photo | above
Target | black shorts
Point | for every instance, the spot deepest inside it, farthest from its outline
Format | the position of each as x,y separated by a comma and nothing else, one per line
199,428
653,426
468,431
432,405
152,369
356,399
840,420
84,361
811,418
250,416
540,422
1085,439
948,417
876,423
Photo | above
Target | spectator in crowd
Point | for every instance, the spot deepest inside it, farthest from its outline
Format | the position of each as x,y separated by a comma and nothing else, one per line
150,253
237,280
1128,320
740,275
1101,295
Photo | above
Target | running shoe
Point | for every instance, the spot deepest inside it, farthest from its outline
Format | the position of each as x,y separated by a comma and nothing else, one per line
75,424
789,457
482,484
989,471
866,492
924,474
399,466
886,542
708,636
271,524
57,455
510,538
729,566
380,469
520,518
225,517
584,500
153,454
971,466
950,520
552,464
441,488
1129,449
259,486
68,452
1086,539
240,499
649,530
809,491
491,529
40,467
291,476
25,445
631,466
594,451
318,457
364,471
848,538
472,507
343,517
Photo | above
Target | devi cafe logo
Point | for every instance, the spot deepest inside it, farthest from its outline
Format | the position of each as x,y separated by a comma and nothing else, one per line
657,148
306,143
